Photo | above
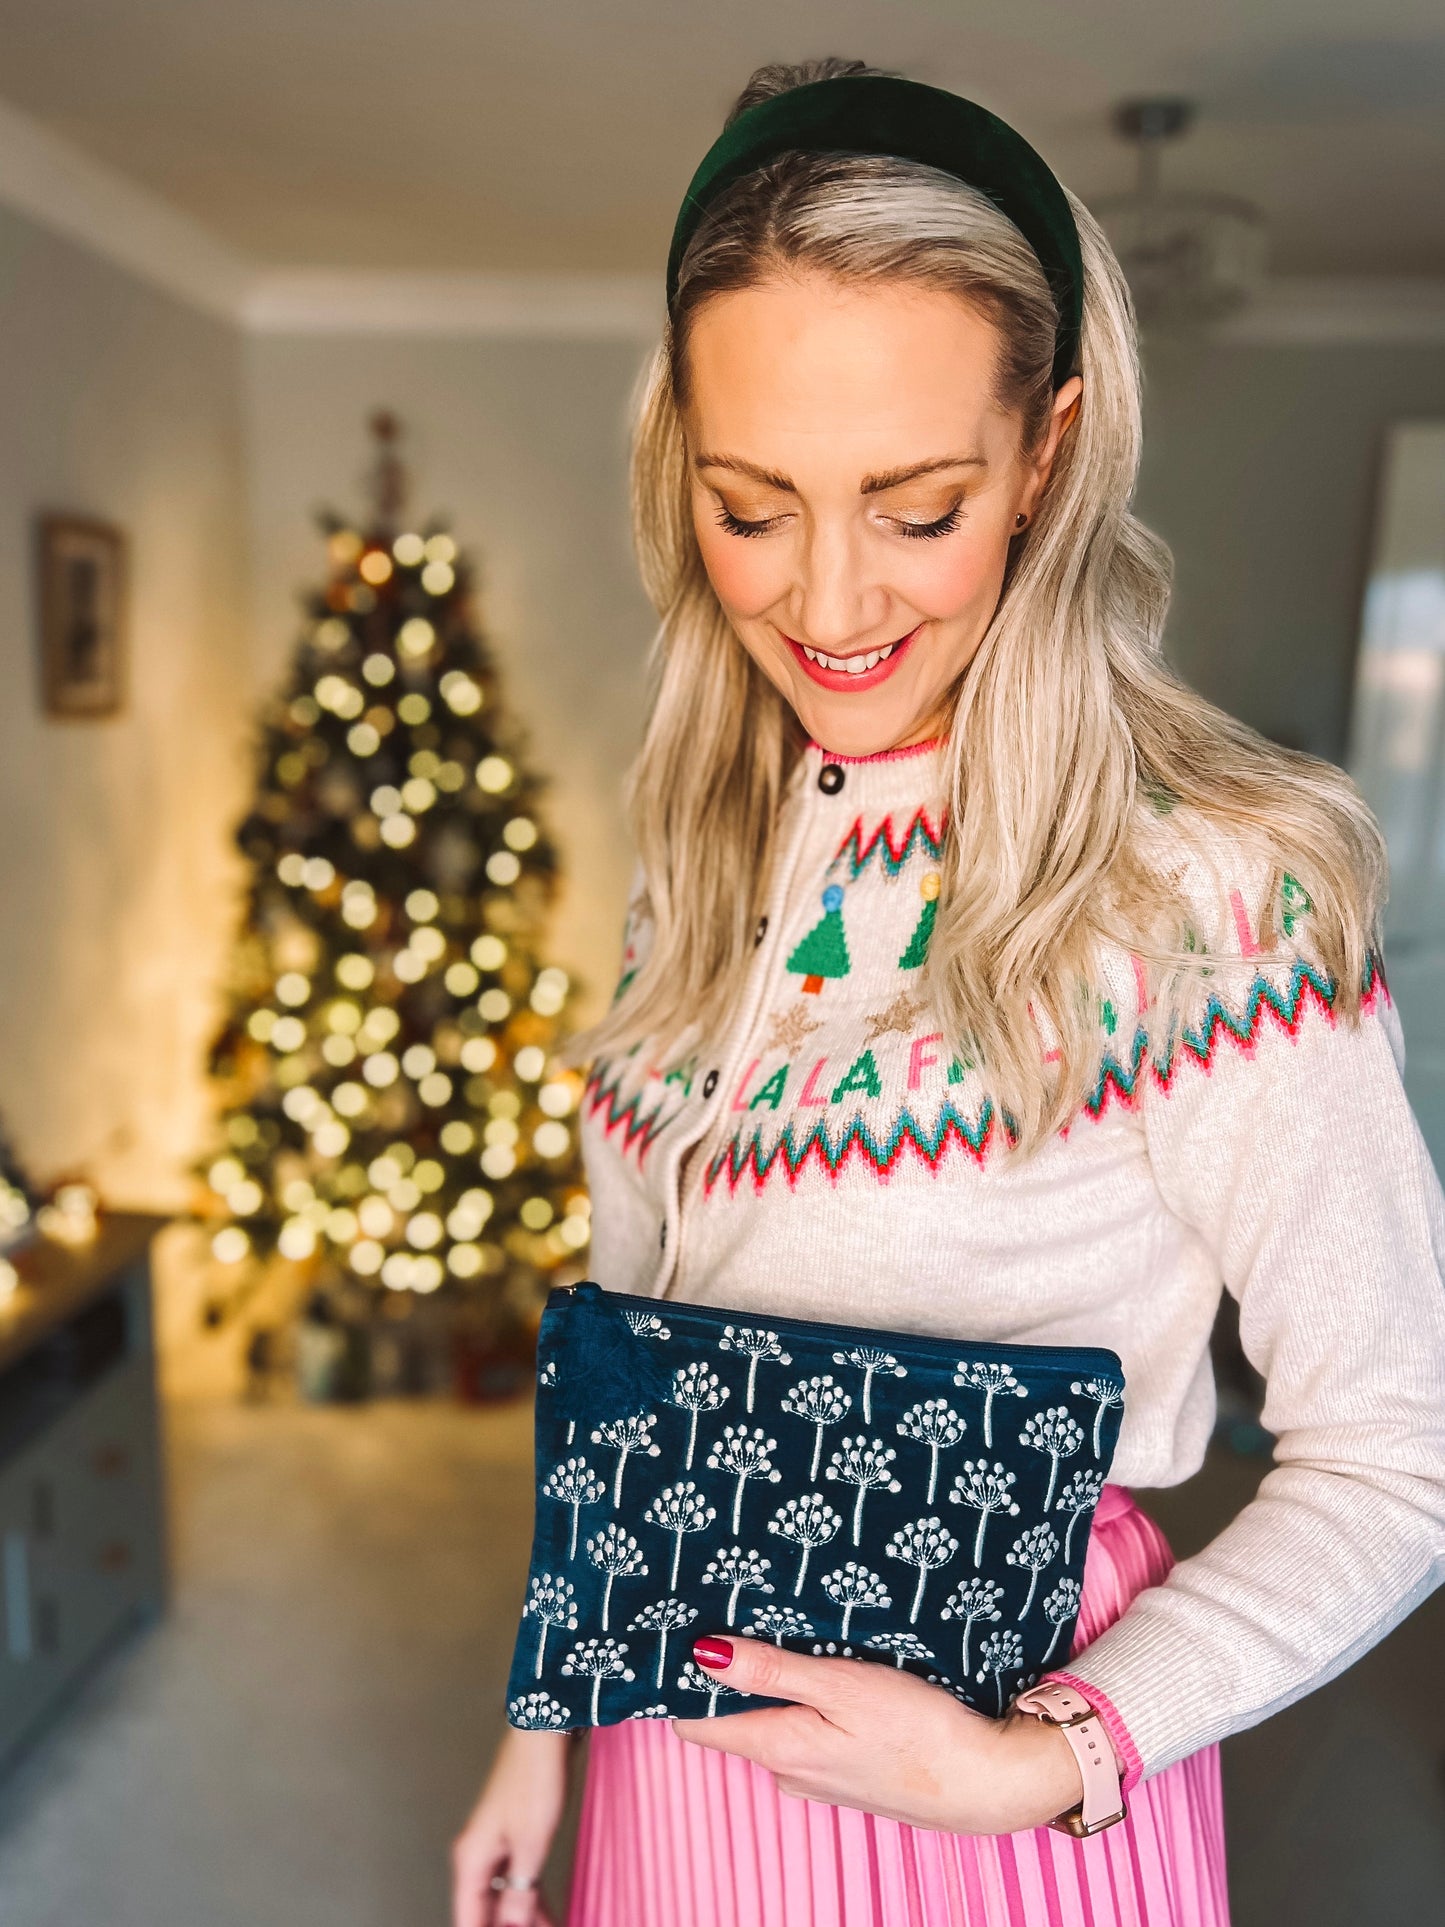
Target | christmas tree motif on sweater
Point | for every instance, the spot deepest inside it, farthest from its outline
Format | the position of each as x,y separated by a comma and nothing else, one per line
824,951
913,957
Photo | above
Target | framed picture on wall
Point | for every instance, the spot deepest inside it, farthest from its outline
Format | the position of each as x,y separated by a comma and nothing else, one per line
82,569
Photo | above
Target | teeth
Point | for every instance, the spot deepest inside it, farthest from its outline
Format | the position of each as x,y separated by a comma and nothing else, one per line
850,665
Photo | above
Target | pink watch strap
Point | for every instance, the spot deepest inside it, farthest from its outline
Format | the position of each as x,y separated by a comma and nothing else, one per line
1079,1722
1114,1726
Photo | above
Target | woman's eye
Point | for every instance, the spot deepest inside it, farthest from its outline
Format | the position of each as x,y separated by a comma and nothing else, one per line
735,525
924,531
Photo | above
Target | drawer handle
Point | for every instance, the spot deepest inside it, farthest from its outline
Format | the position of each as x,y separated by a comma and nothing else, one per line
115,1556
110,1460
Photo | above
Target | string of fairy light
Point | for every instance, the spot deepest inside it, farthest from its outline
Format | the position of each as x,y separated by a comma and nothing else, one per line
336,1052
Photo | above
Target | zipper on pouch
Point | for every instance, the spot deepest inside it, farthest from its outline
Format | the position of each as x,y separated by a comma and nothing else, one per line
911,1344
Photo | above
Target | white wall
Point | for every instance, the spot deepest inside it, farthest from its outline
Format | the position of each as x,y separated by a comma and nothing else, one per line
115,879
523,445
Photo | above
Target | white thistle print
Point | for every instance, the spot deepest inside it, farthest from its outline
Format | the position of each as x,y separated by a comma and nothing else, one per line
615,1552
994,1381
1056,1432
868,1464
679,1509
1033,1550
755,1344
538,1713
547,1379
870,1361
598,1659
626,1436
927,1544
647,1324
696,1389
1001,1653
1060,1607
987,1489
551,1601
650,1712
976,1598
778,1623
934,1423
853,1585
1080,1495
902,1646
736,1569
692,1679
573,1483
1106,1393
807,1522
744,1454
662,1617
821,1401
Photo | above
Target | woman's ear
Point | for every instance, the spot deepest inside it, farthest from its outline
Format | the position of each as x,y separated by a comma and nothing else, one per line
1065,407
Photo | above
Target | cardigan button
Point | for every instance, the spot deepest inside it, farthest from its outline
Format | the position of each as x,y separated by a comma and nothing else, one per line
709,1084
830,779
760,932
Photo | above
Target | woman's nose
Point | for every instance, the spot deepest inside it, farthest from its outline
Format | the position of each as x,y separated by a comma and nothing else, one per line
837,601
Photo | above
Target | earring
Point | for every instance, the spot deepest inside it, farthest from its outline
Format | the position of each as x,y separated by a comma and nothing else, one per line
1020,519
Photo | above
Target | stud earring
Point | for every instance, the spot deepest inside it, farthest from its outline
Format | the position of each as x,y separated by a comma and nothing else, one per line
1020,519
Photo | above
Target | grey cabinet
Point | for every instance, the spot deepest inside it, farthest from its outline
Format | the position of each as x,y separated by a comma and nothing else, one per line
81,1515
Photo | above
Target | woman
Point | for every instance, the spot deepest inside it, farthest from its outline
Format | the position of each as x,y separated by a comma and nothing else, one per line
982,981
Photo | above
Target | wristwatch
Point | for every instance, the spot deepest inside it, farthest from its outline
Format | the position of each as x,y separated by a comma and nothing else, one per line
1103,1801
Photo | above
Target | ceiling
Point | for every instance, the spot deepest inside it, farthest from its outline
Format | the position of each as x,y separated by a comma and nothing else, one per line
558,134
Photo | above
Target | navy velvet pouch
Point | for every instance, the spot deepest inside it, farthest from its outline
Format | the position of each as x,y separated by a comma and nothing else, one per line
921,1502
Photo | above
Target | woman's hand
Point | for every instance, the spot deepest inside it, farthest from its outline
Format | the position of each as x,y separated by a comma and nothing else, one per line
509,1832
860,1734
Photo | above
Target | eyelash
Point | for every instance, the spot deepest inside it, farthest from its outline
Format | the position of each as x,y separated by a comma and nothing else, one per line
913,531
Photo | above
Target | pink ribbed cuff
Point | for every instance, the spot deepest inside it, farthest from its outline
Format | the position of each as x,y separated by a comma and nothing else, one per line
1113,1725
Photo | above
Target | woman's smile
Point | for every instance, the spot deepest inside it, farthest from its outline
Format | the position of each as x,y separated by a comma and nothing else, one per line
863,669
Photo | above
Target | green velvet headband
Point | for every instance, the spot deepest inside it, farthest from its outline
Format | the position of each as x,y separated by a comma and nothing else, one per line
877,114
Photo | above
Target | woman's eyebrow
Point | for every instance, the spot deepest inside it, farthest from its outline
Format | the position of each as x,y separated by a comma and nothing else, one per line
769,477
870,485
895,477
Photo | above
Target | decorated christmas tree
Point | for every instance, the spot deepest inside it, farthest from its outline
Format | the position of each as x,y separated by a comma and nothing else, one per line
916,954
823,952
390,1105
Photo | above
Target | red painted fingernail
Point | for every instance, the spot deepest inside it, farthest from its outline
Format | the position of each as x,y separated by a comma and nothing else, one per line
716,1653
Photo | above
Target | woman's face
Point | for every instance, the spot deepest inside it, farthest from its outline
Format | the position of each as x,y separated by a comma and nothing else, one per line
854,489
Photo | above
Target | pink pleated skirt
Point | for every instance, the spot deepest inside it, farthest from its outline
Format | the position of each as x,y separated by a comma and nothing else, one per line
673,1835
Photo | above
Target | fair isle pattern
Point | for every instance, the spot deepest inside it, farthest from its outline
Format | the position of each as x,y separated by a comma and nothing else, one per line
754,1156
629,1120
858,849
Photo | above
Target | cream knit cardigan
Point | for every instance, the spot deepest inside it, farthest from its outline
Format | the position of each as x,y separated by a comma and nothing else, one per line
827,1159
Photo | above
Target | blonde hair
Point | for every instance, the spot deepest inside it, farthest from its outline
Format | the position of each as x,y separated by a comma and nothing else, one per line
1068,730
